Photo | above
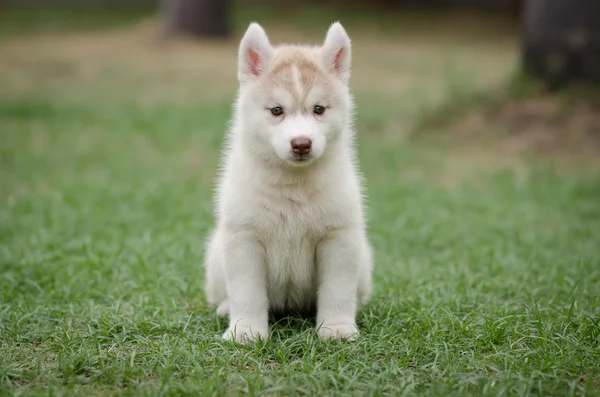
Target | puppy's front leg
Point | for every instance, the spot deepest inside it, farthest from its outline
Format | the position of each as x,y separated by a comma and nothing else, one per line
246,288
337,261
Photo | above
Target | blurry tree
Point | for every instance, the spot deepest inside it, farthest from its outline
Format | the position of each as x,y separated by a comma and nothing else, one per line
201,18
561,40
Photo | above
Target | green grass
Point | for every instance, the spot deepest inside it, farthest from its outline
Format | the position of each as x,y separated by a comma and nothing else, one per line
489,285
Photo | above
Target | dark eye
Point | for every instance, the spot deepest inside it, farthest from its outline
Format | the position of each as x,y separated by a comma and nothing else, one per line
277,111
318,109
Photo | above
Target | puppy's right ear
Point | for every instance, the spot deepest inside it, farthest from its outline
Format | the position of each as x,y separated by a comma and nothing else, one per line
255,53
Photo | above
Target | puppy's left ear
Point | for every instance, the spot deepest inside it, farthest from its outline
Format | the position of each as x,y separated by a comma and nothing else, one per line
337,52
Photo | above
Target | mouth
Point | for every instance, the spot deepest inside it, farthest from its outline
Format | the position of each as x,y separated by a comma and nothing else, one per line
300,159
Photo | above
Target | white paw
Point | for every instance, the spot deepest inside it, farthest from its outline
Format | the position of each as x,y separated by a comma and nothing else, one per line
242,332
223,309
341,331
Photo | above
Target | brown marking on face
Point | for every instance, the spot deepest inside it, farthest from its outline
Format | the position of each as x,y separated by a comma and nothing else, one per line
297,71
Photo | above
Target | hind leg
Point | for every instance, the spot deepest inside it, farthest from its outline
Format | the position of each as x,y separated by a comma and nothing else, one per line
214,283
223,309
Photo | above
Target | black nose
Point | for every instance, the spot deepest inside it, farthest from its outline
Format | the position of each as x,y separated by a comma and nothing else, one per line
301,145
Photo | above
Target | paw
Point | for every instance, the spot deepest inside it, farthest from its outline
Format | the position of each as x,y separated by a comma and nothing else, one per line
242,332
341,331
223,309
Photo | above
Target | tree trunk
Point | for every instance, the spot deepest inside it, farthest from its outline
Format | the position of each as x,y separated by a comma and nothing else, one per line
200,18
561,41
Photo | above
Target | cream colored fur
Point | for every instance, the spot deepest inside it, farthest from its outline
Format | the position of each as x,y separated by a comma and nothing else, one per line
290,232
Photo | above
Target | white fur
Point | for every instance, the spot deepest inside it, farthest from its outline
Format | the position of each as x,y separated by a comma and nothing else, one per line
289,233
337,41
257,40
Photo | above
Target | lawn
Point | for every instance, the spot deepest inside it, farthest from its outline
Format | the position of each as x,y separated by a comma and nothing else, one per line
487,241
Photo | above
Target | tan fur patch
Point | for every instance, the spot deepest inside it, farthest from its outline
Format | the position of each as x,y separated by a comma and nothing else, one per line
297,71
297,78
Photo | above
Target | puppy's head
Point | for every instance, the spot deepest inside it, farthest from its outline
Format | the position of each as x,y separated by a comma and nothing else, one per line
294,102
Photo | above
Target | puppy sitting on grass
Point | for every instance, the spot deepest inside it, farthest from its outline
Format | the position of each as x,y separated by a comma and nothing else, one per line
290,231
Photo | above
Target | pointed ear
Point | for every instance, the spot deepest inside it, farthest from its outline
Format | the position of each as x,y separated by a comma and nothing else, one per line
336,52
255,53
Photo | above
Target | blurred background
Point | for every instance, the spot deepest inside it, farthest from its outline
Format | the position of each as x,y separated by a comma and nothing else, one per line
420,58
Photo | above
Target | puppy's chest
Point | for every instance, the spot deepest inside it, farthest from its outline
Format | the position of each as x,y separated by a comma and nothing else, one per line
291,237
295,219
291,227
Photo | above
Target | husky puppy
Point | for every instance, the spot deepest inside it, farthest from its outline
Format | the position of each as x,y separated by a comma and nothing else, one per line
290,230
